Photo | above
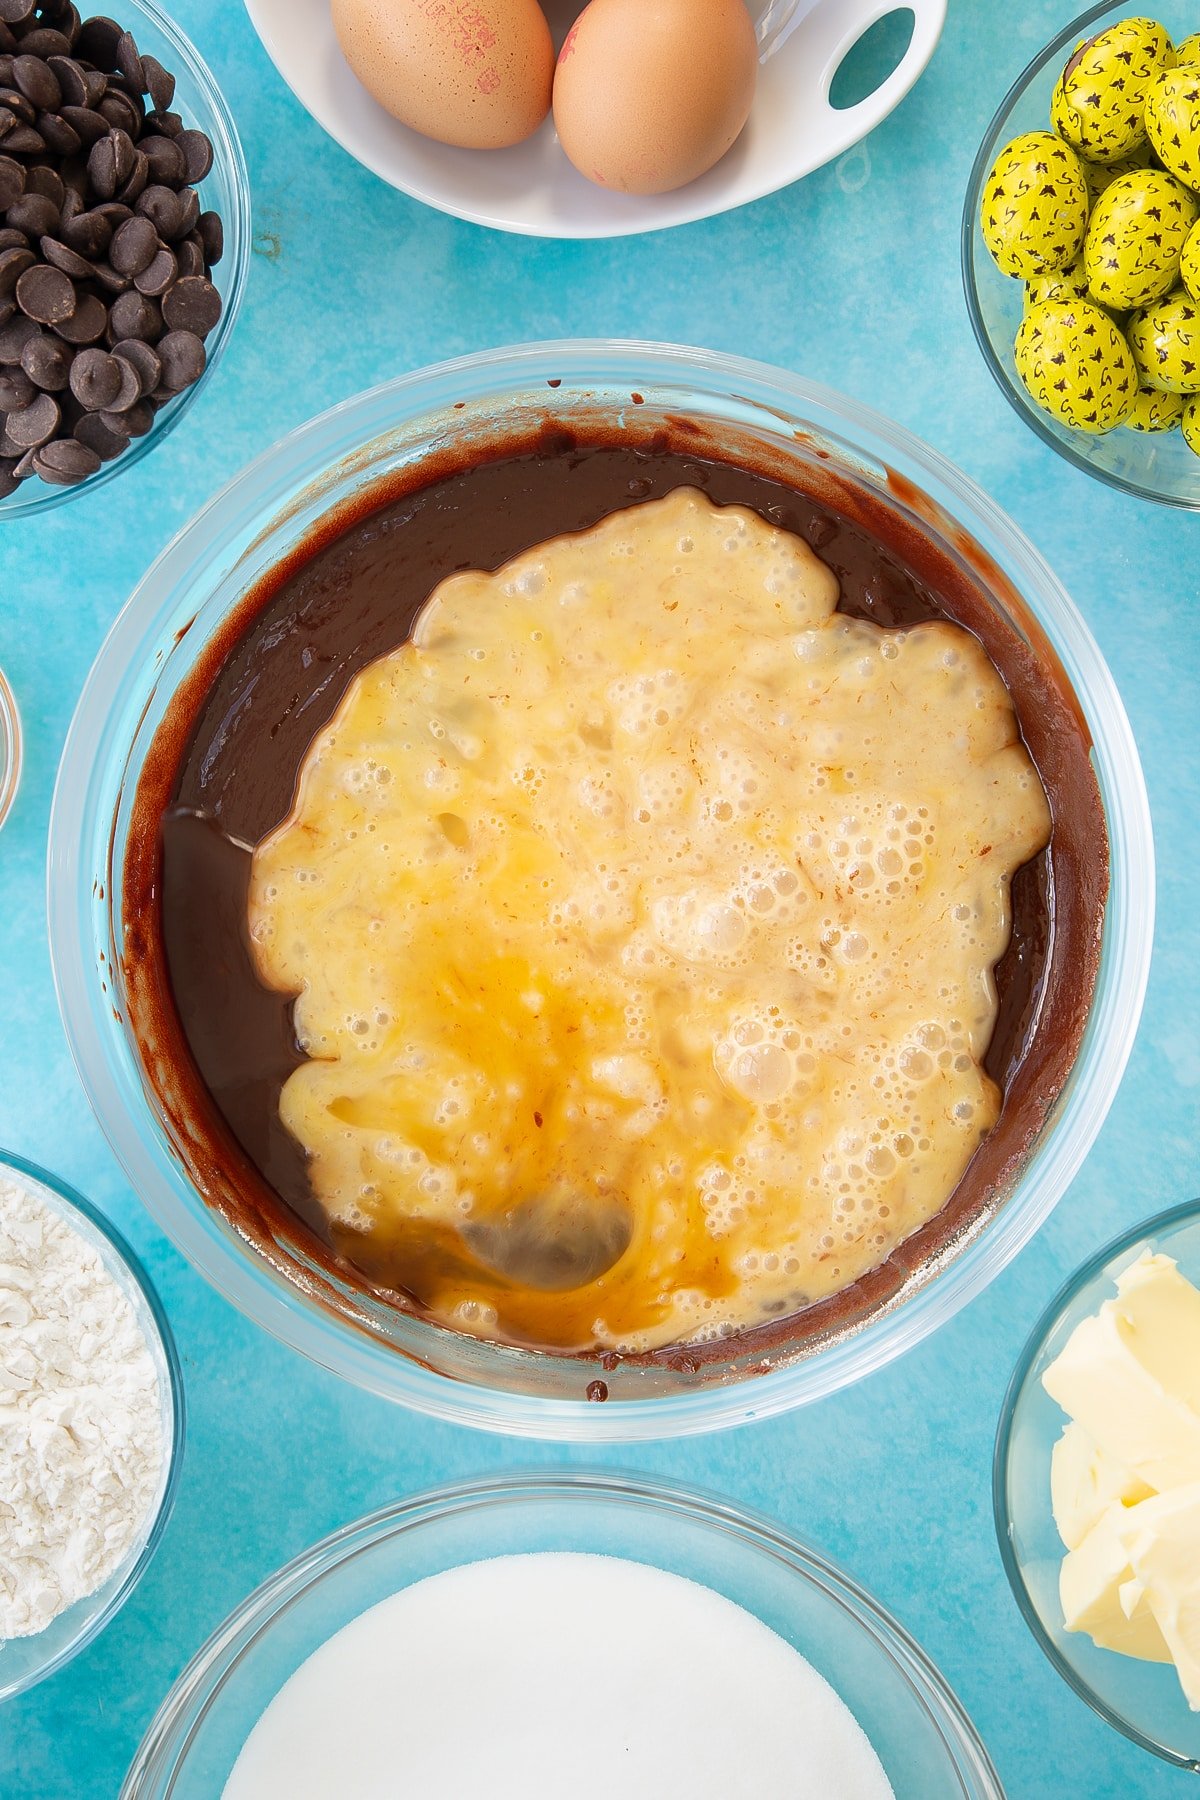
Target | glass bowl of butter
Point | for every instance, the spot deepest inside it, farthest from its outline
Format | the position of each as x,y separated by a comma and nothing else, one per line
1096,1484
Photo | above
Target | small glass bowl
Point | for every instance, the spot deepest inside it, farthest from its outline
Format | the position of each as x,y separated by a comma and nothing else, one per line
1143,1700
27,1660
1154,465
225,189
920,1732
10,748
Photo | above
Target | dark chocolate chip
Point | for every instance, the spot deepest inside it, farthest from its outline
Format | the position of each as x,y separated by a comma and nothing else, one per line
15,102
130,63
121,111
47,362
35,423
162,272
134,246
190,257
40,178
183,358
198,154
34,214
135,421
45,294
8,307
102,167
89,127
15,12
72,85
97,380
37,81
134,316
97,41
110,279
160,84
110,163
189,211
10,481
132,190
23,140
143,360
89,233
92,431
60,137
168,123
46,43
161,206
12,181
212,237
166,159
13,264
86,324
97,86
12,239
65,462
193,304
16,389
61,256
14,335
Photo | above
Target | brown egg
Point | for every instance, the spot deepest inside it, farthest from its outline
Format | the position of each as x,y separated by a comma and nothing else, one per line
471,72
650,93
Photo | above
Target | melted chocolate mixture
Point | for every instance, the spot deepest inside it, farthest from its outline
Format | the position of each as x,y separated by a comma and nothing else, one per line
224,766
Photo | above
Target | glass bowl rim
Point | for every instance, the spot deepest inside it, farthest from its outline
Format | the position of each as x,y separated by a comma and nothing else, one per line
297,462
983,160
227,147
73,1201
1081,1278
255,1616
13,741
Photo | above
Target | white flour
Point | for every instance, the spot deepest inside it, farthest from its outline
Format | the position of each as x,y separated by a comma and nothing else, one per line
81,1436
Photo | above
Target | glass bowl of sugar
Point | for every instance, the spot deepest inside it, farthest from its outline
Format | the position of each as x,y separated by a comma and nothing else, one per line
72,1281
556,1631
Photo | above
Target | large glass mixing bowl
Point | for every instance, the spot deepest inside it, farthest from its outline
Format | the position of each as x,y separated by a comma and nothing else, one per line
246,530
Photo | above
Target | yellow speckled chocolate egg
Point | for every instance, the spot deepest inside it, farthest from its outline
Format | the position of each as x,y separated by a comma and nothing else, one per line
1070,283
1190,421
1153,410
1035,206
1189,262
1099,102
1173,121
1135,236
1165,340
1099,176
1076,364
1187,50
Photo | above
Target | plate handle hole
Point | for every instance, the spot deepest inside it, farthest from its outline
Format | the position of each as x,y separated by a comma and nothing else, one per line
872,58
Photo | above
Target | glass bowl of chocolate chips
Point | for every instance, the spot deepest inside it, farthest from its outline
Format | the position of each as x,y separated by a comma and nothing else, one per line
124,241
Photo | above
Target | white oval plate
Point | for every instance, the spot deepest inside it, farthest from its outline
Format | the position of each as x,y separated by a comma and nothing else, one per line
533,189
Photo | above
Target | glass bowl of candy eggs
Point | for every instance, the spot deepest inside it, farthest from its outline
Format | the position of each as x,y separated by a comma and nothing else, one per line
1081,249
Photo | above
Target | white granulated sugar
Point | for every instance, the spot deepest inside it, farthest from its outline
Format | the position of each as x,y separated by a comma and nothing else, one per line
531,1677
81,1434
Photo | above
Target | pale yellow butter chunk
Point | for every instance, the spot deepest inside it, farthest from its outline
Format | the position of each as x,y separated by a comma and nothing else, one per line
1084,1483
1126,1374
1094,1589
642,913
1164,1550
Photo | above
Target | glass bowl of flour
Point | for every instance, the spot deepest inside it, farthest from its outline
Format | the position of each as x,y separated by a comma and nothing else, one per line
542,1634
91,1423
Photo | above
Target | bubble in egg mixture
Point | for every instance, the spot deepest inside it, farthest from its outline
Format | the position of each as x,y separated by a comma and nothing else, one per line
644,903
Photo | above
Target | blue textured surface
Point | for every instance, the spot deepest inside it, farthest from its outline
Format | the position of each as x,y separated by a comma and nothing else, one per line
852,278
